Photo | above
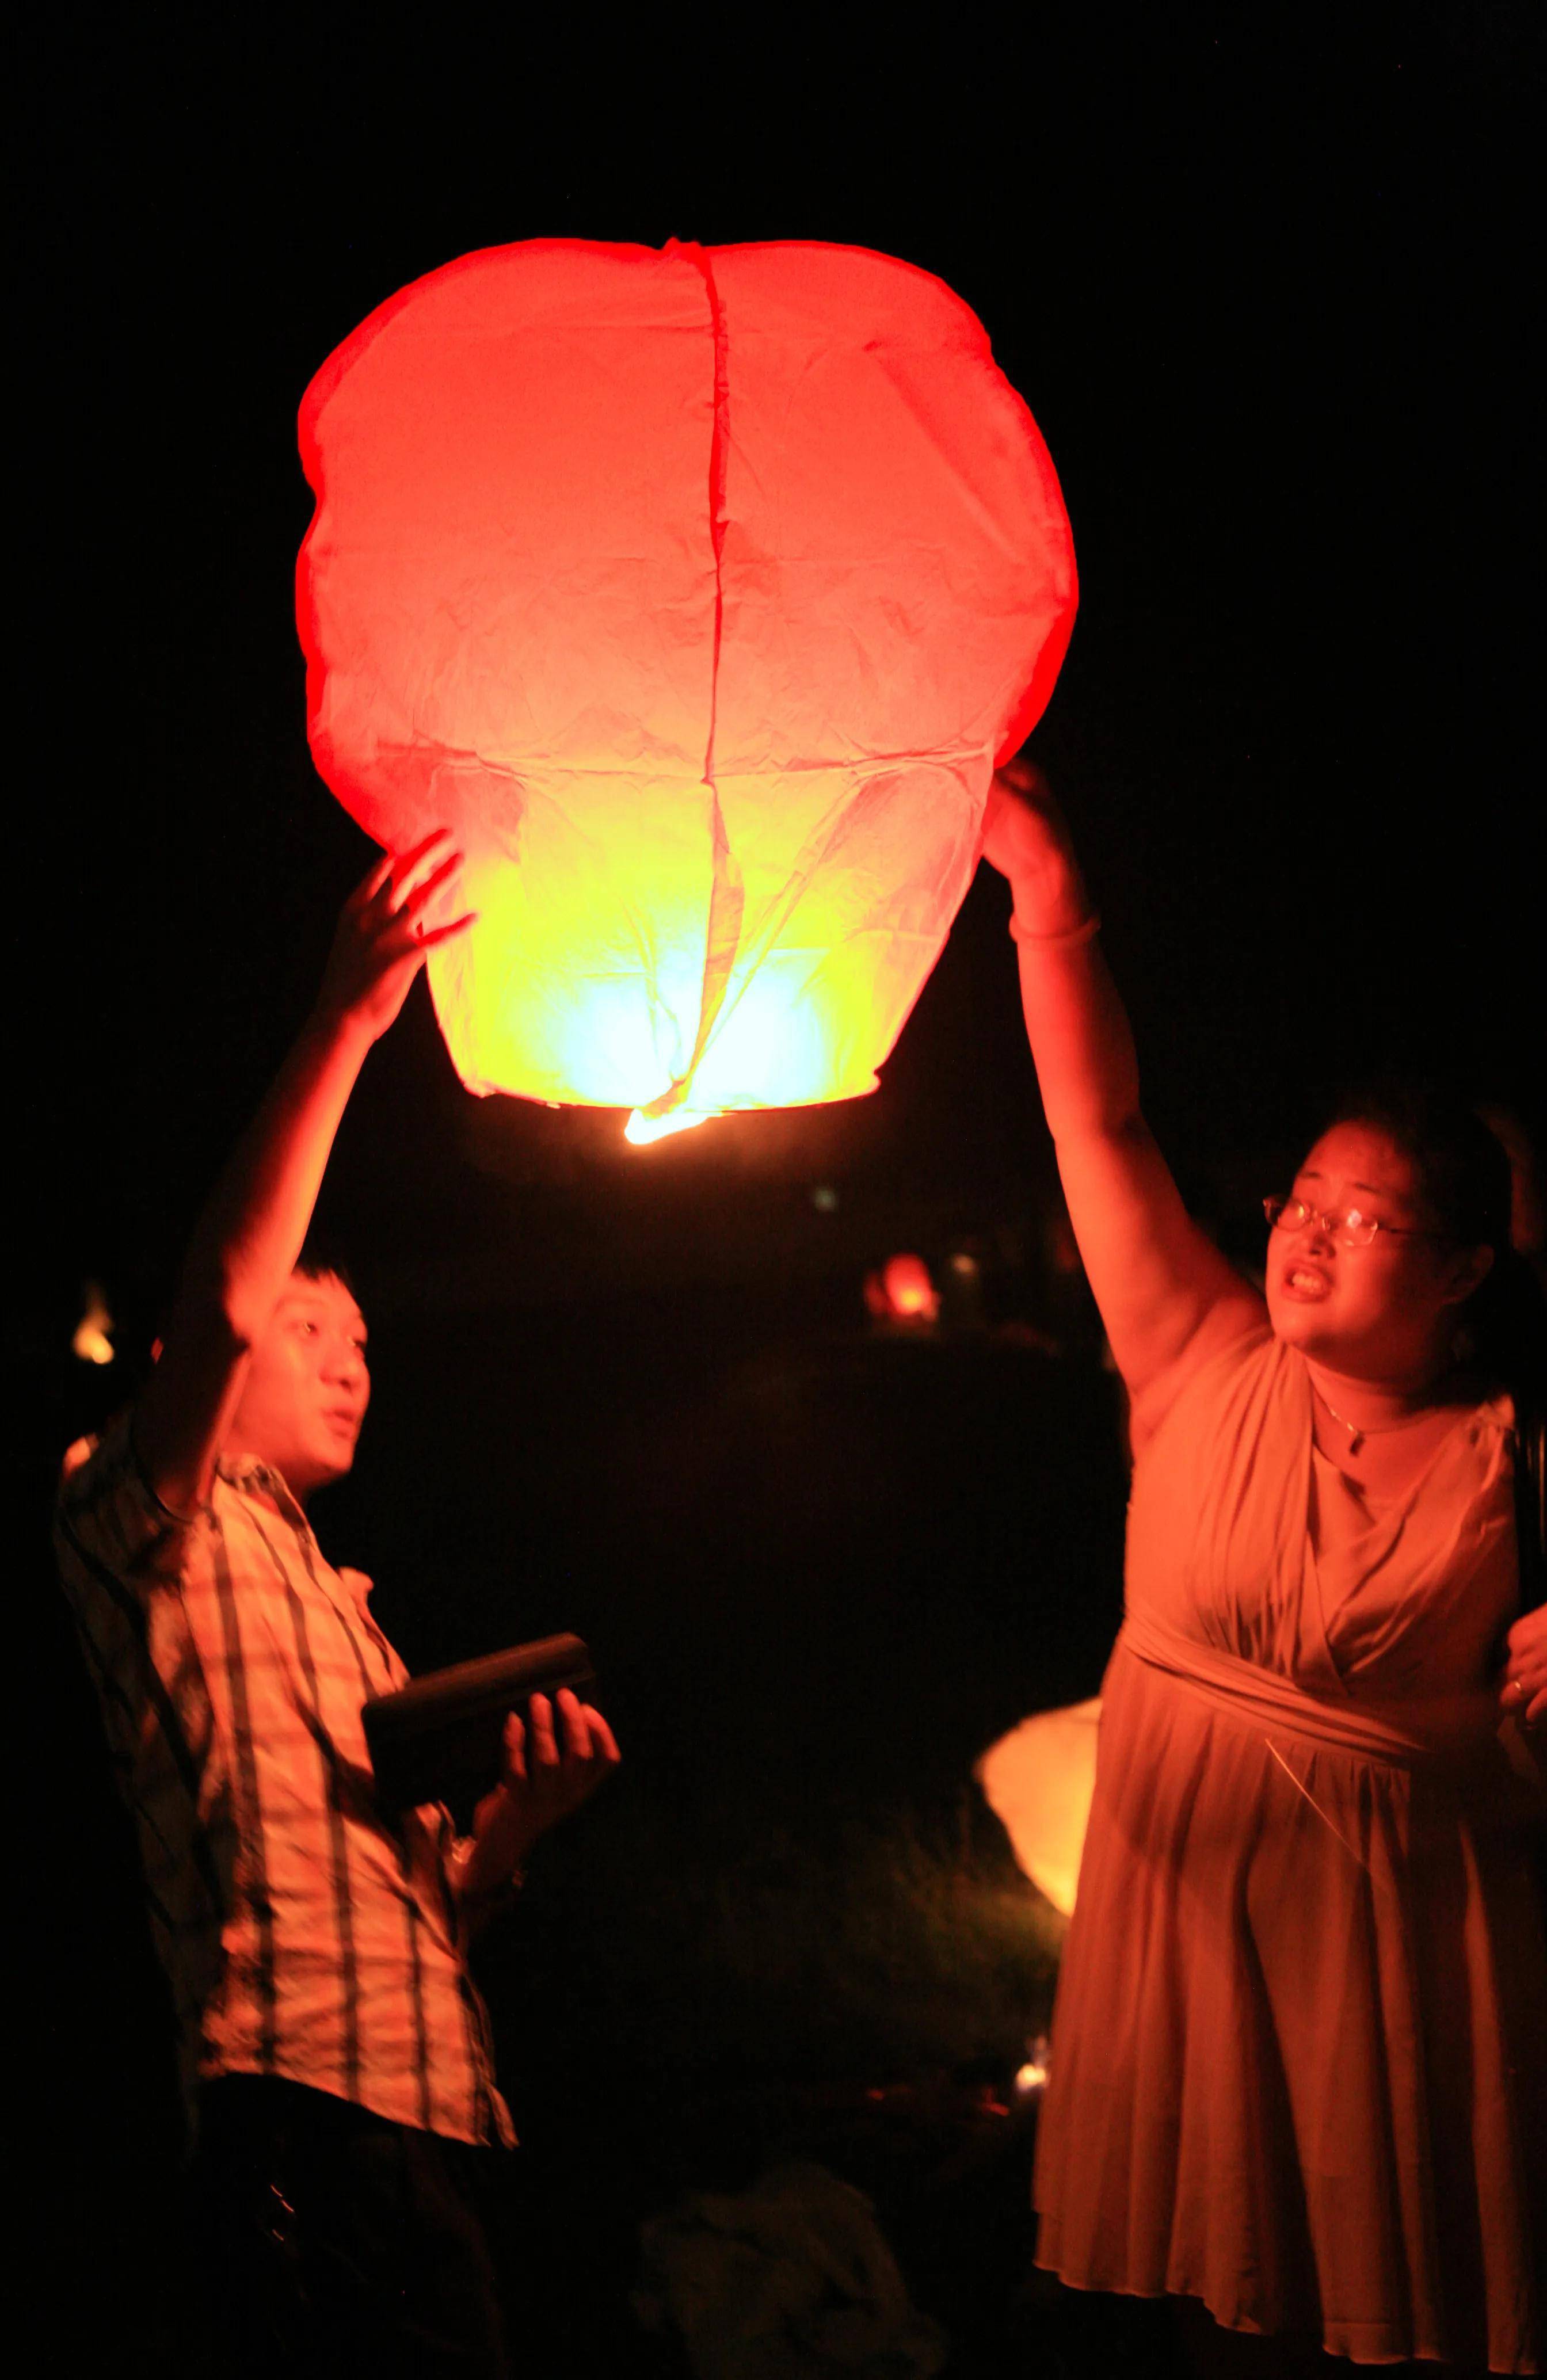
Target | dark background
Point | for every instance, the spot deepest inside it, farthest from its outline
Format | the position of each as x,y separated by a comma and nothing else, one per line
1262,276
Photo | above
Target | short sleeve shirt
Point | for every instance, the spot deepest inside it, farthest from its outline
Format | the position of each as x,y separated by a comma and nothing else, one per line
305,1932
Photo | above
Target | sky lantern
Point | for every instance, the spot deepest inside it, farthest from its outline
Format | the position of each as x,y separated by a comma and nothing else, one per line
1039,1782
697,591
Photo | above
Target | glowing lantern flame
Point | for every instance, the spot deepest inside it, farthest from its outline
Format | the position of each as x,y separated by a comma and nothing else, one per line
642,1129
697,591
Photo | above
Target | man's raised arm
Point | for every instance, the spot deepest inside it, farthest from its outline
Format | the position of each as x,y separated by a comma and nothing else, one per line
251,1233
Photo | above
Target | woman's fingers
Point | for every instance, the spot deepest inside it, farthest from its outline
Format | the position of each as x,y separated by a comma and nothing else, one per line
1529,1635
1523,1695
1023,777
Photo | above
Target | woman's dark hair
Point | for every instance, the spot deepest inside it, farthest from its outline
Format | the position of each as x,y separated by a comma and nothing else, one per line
1464,1184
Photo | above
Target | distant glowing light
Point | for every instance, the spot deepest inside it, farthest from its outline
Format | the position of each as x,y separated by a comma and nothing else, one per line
909,1293
91,1341
902,1292
697,591
1033,2075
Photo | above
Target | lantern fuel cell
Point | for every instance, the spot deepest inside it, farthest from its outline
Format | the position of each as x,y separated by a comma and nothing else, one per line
698,592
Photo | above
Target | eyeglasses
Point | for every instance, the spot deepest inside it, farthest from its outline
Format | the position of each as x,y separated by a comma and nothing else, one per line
1351,1230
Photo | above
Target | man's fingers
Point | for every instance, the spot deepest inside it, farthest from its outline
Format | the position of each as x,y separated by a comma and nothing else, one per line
415,902
370,886
393,879
407,866
577,1716
543,1746
589,1742
444,933
604,1742
514,1746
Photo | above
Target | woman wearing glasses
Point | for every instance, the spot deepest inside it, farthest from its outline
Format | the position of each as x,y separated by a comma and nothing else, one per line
1299,2059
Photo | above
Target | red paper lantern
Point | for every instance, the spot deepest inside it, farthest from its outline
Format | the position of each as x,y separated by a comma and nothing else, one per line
697,591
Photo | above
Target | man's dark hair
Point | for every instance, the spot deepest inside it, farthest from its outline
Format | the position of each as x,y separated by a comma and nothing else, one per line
322,1259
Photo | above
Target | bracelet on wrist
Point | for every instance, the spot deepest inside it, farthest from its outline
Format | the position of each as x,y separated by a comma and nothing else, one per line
1070,940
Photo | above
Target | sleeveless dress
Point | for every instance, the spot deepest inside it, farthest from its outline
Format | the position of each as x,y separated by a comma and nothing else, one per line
1299,2048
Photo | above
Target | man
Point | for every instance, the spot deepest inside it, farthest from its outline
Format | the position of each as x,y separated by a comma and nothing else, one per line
336,2052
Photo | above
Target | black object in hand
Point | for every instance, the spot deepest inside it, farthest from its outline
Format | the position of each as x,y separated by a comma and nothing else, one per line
443,1734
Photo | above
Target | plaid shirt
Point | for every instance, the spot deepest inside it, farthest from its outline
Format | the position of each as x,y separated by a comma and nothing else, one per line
304,1933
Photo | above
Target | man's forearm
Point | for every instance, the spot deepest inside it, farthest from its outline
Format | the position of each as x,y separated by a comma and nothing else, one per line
250,1232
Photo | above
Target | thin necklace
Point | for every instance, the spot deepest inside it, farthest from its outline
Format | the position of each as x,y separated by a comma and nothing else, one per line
1378,1429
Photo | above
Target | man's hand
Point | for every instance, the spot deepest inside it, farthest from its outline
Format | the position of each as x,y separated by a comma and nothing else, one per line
570,1752
383,933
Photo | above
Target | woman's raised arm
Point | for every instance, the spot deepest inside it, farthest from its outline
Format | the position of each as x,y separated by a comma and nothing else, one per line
1166,1294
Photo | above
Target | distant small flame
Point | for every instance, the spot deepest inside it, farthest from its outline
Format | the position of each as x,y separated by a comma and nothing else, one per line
642,1129
91,1341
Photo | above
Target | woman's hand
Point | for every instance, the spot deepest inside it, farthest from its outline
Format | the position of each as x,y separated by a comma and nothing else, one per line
1523,1694
1026,838
384,934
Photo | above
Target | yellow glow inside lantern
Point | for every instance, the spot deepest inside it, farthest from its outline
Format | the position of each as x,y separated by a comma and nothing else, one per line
697,591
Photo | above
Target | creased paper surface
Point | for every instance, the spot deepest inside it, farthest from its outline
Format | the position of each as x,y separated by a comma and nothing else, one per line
697,591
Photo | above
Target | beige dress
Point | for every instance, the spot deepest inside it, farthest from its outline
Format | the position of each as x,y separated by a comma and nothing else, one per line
1300,2050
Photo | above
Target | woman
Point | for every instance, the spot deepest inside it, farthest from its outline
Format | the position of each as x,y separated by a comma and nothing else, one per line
1299,2055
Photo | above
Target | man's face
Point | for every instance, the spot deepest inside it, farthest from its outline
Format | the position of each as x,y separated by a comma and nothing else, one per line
307,1387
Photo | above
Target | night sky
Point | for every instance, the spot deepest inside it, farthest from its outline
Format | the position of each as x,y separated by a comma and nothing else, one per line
1262,277
1264,287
